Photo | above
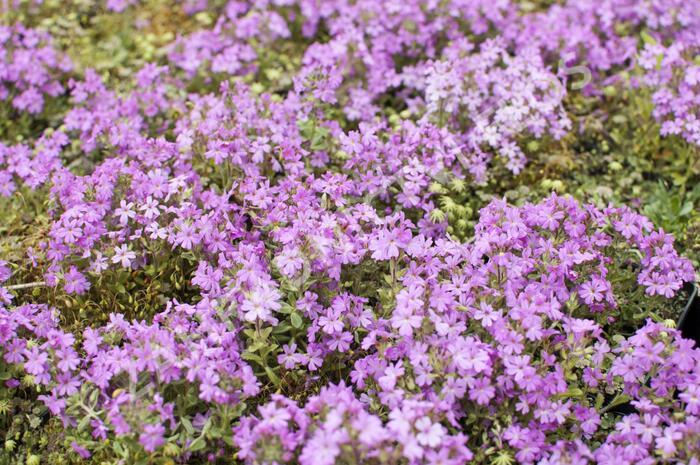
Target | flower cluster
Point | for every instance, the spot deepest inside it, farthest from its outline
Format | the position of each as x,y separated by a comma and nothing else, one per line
502,96
32,69
335,426
674,76
508,327
119,378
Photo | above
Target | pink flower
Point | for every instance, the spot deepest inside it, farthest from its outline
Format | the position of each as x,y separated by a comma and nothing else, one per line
123,255
260,304
405,321
391,375
481,391
36,361
83,452
125,211
75,282
387,243
151,437
429,434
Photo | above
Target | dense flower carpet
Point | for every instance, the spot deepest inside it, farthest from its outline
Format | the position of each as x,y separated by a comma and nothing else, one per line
317,232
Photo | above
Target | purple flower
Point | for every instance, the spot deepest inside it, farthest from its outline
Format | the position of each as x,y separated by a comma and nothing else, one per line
83,452
75,282
151,437
36,361
123,255
429,434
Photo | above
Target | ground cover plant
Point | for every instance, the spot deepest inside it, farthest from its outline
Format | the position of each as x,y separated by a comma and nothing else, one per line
348,232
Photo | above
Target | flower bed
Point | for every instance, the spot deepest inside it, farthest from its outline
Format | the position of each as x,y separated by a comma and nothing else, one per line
301,232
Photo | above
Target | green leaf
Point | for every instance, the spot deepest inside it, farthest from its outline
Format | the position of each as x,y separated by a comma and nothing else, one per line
318,142
282,328
675,204
273,377
297,322
502,458
659,61
197,445
306,127
600,398
573,392
267,350
619,400
93,397
207,426
82,424
285,308
256,346
187,424
686,209
251,357
265,332
119,449
647,39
